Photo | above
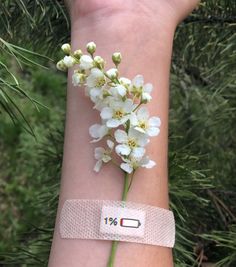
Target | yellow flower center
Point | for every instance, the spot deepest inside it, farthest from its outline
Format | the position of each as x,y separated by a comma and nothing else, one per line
119,114
143,125
132,143
100,81
137,91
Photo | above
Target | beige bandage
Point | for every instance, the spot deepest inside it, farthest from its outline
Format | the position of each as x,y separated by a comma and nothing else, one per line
117,220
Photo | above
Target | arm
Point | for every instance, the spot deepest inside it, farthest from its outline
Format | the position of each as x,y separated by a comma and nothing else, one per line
143,33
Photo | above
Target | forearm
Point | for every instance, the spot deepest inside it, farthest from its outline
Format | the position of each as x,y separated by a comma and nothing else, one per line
143,53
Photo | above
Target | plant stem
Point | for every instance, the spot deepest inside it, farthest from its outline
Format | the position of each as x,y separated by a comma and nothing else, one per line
115,242
126,187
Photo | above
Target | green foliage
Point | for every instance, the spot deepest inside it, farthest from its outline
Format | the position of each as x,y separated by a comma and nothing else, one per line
23,25
42,24
202,135
23,171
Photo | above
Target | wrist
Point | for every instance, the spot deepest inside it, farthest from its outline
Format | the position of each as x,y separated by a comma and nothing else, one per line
122,25
138,39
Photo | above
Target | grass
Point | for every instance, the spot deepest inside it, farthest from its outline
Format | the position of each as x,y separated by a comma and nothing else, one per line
20,163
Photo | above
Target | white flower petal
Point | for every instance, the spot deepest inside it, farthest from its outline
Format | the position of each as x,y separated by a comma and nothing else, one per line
95,92
150,164
123,150
138,81
154,121
142,139
103,131
76,79
110,144
146,96
124,81
116,104
133,133
144,160
113,123
98,131
138,152
121,90
120,136
106,113
94,130
143,113
133,119
69,61
128,105
126,167
124,119
112,73
98,166
153,131
86,62
94,77
106,158
148,88
98,152
141,130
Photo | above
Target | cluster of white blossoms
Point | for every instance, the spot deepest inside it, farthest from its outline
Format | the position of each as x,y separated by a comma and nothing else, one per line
125,123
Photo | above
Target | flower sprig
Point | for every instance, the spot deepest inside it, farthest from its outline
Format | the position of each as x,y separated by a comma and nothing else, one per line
125,122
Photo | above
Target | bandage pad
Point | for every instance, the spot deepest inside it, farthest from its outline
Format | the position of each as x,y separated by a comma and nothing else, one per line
117,220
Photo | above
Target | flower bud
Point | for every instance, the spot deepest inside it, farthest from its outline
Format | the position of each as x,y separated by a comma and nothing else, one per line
78,53
66,48
61,65
69,61
112,73
99,62
91,47
116,58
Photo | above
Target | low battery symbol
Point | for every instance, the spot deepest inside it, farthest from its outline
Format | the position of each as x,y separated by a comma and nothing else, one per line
131,223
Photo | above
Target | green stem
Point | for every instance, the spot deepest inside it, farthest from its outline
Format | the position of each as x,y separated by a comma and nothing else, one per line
115,243
126,187
138,106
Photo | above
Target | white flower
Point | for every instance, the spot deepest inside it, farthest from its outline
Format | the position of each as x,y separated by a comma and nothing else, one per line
96,78
112,73
118,91
118,113
125,82
98,131
100,96
78,79
138,89
86,62
69,61
132,163
142,123
133,142
103,155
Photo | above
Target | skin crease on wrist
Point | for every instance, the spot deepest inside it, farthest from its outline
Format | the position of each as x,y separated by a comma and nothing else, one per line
118,25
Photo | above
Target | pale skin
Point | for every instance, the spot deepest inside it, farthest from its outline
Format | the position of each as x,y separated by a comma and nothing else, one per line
143,32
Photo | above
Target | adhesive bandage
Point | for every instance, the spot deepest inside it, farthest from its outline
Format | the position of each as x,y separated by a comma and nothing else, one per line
117,220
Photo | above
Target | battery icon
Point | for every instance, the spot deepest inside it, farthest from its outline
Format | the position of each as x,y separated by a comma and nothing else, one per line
131,223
